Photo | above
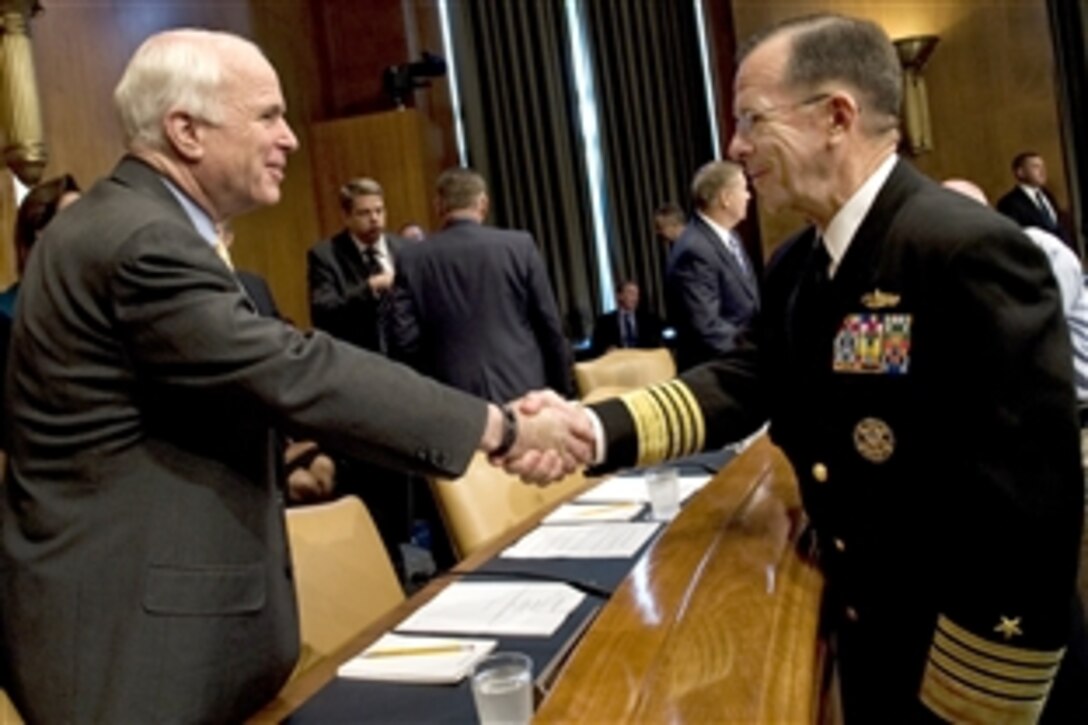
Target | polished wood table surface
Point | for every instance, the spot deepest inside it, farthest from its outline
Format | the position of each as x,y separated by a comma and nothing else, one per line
718,622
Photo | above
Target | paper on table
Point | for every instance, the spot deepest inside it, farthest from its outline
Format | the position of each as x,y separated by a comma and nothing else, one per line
571,513
427,660
691,484
617,489
533,609
633,488
583,541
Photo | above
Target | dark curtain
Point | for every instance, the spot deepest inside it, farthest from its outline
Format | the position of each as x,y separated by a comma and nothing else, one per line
521,126
1068,30
655,132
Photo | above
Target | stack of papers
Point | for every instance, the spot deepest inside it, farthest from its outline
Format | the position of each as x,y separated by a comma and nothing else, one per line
426,660
633,489
532,609
583,541
572,513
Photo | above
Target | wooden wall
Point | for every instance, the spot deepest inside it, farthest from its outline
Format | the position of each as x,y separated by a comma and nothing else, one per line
991,84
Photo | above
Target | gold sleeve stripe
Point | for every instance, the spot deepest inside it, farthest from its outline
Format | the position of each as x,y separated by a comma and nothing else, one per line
649,426
675,439
956,702
992,685
692,413
970,658
1008,653
668,421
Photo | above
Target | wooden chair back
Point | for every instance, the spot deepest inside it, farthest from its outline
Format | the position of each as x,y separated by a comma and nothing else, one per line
626,368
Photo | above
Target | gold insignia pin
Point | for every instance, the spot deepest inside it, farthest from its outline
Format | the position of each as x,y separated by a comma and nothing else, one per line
1009,627
874,440
879,300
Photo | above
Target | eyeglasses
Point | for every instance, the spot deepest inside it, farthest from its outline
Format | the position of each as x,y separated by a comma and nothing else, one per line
746,121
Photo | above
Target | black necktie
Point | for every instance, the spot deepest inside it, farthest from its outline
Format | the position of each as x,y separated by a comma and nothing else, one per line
1044,206
630,337
371,261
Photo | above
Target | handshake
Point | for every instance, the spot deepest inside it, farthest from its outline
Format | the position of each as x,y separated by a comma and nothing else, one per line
555,437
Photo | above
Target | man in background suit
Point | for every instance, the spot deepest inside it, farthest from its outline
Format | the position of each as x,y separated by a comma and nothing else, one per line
146,575
627,325
1028,203
473,306
351,273
669,222
711,291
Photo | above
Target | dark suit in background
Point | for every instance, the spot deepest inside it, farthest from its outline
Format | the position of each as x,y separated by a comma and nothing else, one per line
608,333
472,306
708,295
145,571
341,302
259,293
1019,206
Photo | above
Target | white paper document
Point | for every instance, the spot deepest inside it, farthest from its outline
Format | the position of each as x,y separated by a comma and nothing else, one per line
427,660
533,609
581,541
573,513
633,489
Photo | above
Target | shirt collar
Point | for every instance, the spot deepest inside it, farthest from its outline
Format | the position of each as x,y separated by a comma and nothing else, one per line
1030,190
723,234
844,225
203,223
379,246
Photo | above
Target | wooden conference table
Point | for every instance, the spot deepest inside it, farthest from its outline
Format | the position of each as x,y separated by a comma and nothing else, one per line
717,621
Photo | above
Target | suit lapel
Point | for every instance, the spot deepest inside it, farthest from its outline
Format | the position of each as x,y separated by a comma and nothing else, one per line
347,254
746,280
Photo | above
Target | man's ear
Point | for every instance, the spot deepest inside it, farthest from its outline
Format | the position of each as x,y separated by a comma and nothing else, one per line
185,134
483,205
843,114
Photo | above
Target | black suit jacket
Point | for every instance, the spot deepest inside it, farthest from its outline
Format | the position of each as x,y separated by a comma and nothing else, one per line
144,569
341,302
924,397
606,331
473,307
708,297
1022,209
259,293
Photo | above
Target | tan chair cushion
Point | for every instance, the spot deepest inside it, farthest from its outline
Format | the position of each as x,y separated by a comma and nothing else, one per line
486,502
625,369
343,575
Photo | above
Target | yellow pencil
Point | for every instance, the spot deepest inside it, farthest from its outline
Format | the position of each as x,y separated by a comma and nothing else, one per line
437,649
605,508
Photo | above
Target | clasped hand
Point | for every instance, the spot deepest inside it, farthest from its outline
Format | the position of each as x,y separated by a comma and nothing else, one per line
555,438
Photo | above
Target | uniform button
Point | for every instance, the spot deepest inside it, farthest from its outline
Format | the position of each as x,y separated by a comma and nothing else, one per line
851,614
819,472
840,545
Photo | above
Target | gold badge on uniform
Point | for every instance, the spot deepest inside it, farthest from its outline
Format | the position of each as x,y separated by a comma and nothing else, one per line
879,300
874,440
1009,627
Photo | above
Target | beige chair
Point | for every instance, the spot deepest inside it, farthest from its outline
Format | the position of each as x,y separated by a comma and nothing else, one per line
625,369
486,502
343,575
8,714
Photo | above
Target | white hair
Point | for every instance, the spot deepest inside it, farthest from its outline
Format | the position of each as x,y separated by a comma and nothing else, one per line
173,70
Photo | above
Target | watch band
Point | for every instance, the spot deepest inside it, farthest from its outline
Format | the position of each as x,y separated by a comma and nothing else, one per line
509,432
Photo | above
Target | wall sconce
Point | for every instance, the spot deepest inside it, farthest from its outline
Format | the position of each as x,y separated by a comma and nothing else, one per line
913,54
21,131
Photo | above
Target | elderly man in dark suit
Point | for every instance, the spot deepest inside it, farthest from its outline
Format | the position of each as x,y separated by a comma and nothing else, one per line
1029,204
145,572
473,306
351,274
627,325
914,364
711,291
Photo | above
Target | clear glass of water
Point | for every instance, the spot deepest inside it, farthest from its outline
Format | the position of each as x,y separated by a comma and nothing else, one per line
502,686
663,487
